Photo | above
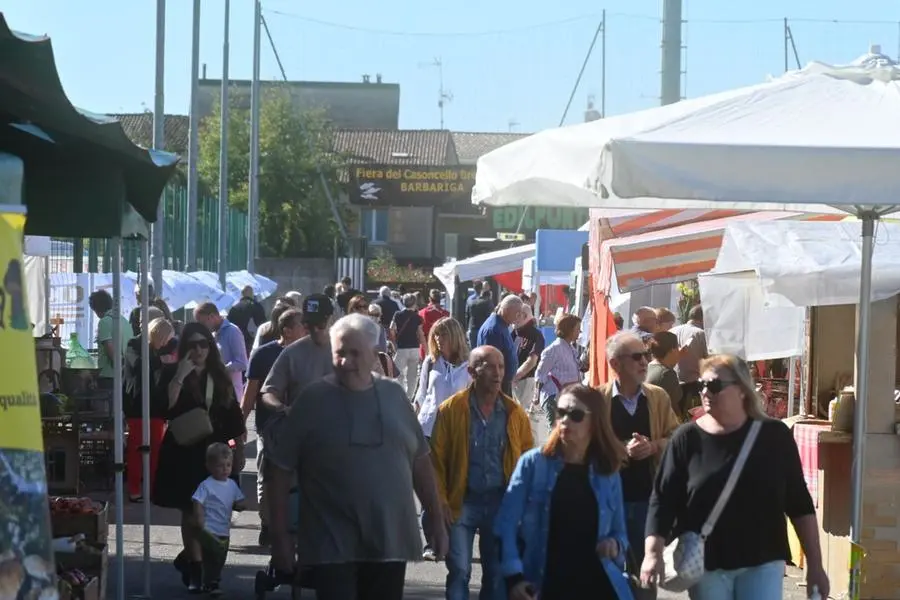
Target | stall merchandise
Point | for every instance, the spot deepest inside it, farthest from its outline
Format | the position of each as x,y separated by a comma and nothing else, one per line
80,529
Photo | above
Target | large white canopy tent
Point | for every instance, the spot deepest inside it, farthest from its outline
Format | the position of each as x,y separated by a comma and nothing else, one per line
481,266
816,140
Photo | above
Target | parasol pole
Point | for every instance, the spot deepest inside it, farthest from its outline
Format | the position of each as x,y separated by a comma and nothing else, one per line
118,425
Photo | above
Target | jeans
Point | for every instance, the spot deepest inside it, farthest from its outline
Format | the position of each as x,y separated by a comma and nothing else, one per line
752,583
360,581
260,481
475,516
549,406
635,525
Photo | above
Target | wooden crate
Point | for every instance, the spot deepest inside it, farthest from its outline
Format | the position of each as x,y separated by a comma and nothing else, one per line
95,527
93,563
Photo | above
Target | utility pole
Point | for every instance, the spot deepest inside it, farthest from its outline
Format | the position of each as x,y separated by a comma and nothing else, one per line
190,263
789,45
603,68
223,152
159,142
253,203
670,75
443,95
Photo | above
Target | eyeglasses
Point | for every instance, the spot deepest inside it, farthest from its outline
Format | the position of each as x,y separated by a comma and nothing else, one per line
197,344
577,415
637,356
714,386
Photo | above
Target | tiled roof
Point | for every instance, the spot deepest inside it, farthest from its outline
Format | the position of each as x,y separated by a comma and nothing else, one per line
396,147
471,146
139,128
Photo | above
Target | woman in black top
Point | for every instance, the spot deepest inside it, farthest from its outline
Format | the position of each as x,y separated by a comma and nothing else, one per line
747,549
562,521
182,468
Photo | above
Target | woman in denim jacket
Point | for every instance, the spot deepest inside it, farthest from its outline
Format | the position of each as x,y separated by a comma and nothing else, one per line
561,523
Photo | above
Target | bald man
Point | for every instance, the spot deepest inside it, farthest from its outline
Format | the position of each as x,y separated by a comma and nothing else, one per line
496,332
478,437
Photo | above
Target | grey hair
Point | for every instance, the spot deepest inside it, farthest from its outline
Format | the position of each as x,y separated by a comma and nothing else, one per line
296,296
509,300
384,291
615,343
409,300
360,324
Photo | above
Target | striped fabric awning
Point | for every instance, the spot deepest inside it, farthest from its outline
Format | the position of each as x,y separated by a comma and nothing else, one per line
675,254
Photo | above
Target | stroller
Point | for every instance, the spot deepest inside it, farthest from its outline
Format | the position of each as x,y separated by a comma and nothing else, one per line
271,578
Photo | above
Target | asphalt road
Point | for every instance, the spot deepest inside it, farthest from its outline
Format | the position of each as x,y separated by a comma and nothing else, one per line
425,581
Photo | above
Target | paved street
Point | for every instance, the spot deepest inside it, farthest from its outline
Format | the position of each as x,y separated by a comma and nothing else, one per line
425,581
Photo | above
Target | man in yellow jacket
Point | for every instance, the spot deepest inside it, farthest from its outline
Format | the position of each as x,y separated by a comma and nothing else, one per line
478,437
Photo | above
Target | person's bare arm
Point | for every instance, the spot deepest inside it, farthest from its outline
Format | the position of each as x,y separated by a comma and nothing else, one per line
110,351
526,367
420,333
251,392
199,515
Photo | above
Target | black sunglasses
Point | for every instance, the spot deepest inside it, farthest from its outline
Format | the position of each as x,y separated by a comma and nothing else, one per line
197,344
575,414
637,356
714,386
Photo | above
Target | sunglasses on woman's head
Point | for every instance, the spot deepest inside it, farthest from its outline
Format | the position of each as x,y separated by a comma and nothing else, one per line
575,414
197,345
714,386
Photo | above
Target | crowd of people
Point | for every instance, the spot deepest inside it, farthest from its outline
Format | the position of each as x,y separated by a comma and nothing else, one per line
361,405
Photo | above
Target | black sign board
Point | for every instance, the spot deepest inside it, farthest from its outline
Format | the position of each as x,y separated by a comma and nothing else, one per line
388,185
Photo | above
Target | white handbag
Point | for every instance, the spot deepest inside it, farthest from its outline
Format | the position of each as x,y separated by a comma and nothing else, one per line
685,557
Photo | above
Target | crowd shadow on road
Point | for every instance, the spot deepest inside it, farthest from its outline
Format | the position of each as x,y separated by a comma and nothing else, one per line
237,582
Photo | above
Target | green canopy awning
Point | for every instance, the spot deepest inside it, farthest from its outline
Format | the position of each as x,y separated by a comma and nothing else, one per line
83,176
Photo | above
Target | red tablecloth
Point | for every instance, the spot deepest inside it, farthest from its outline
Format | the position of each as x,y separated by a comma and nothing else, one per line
807,437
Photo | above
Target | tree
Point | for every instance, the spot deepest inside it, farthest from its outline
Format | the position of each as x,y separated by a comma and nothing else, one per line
295,218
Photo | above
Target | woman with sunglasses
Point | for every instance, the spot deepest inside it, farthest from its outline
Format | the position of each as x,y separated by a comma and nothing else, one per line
182,466
747,549
562,521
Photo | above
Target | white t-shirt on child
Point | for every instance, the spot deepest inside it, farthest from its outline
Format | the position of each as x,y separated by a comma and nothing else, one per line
217,499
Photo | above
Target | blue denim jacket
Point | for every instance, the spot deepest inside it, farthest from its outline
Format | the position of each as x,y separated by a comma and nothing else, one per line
523,520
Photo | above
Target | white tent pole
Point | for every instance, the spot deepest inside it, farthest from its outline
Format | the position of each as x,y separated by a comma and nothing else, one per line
862,387
47,326
118,425
145,407
792,381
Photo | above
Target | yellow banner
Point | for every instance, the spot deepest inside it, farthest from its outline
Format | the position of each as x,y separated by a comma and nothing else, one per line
20,414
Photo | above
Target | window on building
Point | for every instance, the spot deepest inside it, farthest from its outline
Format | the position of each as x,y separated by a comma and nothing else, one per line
373,224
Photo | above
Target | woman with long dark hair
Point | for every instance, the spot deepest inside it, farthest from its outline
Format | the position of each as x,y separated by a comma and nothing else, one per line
198,384
562,521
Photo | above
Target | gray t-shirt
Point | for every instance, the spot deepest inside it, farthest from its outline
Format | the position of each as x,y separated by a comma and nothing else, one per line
688,368
354,454
300,364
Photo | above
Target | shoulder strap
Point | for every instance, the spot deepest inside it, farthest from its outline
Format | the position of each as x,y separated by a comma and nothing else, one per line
210,387
733,477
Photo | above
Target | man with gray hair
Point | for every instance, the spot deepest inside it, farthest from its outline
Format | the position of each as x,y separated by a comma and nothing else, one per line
496,332
408,334
642,418
387,305
362,454
644,323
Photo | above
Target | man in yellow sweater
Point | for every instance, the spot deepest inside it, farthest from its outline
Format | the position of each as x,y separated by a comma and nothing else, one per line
478,437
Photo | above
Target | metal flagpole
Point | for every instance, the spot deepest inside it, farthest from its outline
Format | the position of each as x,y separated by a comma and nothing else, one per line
159,138
193,145
253,204
223,152
145,410
118,425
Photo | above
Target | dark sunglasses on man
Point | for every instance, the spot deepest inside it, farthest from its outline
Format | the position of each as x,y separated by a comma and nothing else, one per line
638,356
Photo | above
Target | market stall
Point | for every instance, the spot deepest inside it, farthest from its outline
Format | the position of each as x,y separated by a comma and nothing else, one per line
81,177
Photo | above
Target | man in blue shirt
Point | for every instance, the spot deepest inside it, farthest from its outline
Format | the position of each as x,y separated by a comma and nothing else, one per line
496,332
230,341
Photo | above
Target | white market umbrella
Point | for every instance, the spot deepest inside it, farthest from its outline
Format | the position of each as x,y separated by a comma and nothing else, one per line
823,135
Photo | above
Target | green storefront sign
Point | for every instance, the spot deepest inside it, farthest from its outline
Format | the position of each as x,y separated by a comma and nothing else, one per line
506,218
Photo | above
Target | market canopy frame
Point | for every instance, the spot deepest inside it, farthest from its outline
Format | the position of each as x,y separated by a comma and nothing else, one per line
83,176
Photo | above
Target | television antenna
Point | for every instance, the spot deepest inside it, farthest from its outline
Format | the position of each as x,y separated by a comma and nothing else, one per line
444,95
512,124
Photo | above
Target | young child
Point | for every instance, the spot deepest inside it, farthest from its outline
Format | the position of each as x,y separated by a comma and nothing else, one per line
215,499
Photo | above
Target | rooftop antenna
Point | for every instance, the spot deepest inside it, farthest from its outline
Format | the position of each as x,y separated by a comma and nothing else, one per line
443,95
513,124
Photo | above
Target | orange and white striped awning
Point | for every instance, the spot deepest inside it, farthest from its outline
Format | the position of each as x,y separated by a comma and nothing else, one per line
674,254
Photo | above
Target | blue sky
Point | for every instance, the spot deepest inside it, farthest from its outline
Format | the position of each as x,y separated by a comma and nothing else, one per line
504,60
